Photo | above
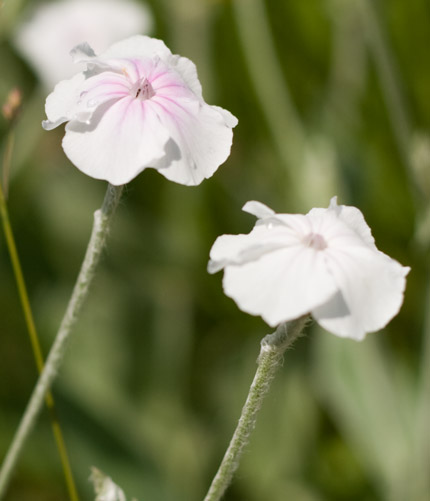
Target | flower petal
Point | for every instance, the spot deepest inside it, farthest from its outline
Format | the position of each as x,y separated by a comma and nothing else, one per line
239,249
122,139
282,285
166,82
201,140
188,72
351,217
78,98
96,91
258,209
229,119
61,102
137,47
371,286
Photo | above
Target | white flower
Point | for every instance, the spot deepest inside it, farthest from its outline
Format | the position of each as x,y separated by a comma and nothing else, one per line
54,28
139,106
325,263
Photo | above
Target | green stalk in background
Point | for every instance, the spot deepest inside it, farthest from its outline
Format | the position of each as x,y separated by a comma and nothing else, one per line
276,104
395,102
316,180
29,320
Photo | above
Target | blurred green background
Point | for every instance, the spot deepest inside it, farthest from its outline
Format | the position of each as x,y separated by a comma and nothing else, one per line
333,98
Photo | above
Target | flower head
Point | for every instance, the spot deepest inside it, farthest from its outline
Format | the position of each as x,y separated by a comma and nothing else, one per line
54,28
325,263
139,106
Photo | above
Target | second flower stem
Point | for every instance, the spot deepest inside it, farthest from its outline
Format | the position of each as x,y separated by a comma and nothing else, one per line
102,220
273,347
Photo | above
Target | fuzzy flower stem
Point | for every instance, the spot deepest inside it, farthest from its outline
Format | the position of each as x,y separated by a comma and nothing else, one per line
273,347
102,221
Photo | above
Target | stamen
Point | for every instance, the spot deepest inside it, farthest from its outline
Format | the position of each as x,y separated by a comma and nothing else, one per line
315,240
142,89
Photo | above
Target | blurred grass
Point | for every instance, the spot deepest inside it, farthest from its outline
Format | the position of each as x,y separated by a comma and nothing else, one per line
157,372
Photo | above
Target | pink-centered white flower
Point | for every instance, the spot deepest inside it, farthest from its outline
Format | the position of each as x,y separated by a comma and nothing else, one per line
138,106
324,263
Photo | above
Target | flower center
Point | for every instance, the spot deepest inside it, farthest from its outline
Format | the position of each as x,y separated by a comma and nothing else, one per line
142,89
315,240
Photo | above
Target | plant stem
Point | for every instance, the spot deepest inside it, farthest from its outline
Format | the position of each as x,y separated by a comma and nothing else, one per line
102,220
273,347
7,160
29,320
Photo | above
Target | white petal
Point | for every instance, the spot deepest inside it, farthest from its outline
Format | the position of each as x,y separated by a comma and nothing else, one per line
137,47
168,84
122,139
354,218
297,222
351,217
371,286
78,98
281,285
229,119
96,91
201,140
333,203
258,209
188,72
239,249
61,102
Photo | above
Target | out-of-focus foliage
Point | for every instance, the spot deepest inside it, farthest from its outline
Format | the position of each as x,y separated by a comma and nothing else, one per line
332,98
